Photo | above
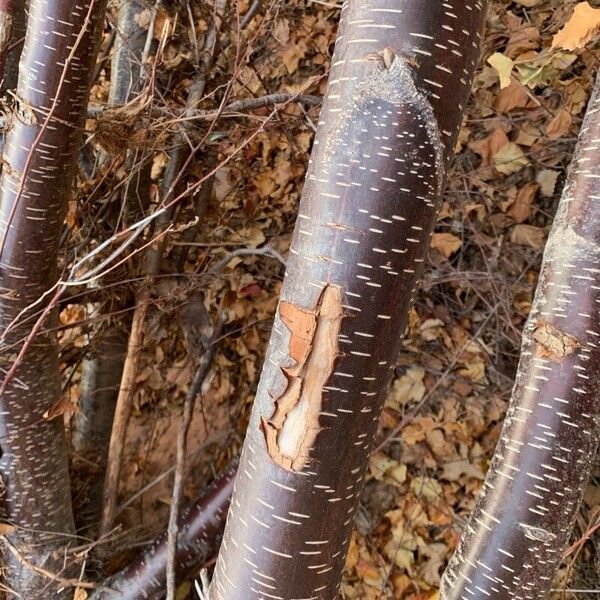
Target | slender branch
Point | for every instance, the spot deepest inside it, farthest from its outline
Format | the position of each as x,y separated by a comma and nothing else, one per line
180,469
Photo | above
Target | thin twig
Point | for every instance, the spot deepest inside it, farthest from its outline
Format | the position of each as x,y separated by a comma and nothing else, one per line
180,469
64,581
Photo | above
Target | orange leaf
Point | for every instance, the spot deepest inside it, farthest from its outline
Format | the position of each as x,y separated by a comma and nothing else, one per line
583,25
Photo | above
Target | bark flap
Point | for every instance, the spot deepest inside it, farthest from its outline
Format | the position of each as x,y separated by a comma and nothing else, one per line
553,343
313,346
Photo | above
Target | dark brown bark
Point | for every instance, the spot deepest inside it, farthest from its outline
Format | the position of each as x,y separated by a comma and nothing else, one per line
200,532
513,543
39,165
400,76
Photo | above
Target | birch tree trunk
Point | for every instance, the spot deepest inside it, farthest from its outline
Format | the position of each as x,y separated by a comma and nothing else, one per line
38,168
513,542
400,76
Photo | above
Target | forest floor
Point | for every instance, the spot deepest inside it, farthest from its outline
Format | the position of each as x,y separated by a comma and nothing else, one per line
454,376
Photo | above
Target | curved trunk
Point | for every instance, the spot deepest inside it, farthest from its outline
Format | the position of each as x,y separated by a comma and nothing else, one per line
199,534
400,75
514,540
39,165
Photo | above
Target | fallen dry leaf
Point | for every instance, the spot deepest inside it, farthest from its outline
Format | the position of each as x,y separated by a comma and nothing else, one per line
510,159
511,97
559,125
583,25
528,235
547,180
503,66
409,387
521,209
446,243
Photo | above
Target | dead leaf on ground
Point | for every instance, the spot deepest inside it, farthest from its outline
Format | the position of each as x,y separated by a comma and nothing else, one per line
446,243
547,180
528,235
583,25
521,209
503,66
409,387
559,125
510,159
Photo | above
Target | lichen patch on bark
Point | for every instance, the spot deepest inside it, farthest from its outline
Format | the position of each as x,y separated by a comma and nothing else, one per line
291,430
553,343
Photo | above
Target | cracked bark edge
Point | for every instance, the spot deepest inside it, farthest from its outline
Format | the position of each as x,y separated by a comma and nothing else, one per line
313,347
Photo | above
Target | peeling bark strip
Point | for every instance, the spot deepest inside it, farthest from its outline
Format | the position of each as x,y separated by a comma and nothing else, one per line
400,75
513,542
39,164
199,534
313,347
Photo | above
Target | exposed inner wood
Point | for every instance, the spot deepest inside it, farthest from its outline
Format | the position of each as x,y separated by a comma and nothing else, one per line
313,346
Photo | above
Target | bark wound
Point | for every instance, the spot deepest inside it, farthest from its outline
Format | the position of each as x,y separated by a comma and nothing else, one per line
553,343
313,347
392,80
536,534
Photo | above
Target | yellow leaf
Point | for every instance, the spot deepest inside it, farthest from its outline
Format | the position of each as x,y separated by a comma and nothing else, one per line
583,25
426,487
446,243
510,159
503,66
379,464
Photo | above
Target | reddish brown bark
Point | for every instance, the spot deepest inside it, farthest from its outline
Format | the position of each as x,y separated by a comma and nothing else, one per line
39,165
399,79
513,543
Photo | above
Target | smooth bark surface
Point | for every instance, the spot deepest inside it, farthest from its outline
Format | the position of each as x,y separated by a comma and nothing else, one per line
400,76
39,165
513,543
200,531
